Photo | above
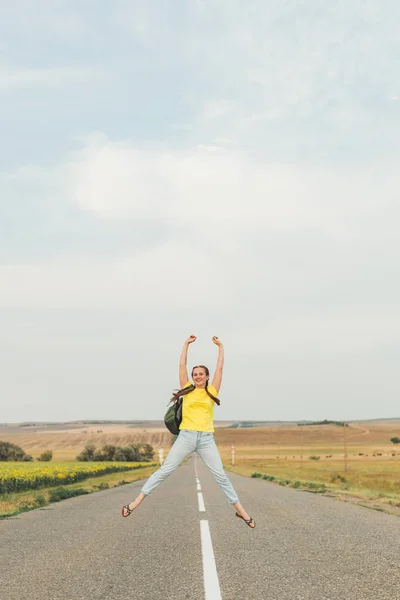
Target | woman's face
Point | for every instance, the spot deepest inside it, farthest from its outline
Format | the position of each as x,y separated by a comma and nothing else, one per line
199,377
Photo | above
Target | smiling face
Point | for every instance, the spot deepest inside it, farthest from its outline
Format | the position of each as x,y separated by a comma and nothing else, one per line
200,376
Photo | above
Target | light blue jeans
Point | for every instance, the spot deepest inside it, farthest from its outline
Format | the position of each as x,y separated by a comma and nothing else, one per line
186,443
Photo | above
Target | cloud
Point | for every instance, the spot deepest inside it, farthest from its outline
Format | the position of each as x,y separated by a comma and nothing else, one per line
244,182
223,188
284,240
11,78
150,279
348,332
286,82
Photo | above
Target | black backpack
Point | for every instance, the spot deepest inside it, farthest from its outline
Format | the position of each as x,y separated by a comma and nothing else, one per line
173,416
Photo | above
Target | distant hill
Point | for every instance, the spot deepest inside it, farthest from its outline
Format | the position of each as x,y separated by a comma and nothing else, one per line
149,424
325,422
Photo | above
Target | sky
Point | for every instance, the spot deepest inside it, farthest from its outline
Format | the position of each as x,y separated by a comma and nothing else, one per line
206,167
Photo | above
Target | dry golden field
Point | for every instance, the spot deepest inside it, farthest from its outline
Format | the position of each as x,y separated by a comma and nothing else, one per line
66,444
290,441
369,473
363,466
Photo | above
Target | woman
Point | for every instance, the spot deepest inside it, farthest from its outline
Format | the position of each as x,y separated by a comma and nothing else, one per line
196,431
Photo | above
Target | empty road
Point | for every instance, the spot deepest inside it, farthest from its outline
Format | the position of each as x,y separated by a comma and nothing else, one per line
184,543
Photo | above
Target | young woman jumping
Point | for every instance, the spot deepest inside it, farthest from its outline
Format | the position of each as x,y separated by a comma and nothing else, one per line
196,431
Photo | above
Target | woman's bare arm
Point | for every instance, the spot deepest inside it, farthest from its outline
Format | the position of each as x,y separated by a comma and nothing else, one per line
183,374
220,364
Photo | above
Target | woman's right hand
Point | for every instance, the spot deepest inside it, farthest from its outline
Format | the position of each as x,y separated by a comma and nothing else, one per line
191,339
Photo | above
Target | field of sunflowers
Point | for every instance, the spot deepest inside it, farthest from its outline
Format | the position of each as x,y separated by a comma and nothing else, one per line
22,476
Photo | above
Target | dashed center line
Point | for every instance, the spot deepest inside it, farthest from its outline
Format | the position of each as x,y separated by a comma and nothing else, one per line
210,574
200,498
211,582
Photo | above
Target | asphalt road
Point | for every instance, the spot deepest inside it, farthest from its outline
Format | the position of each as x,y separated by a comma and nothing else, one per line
305,547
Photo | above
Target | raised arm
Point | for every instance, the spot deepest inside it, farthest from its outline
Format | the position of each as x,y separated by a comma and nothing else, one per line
220,364
183,374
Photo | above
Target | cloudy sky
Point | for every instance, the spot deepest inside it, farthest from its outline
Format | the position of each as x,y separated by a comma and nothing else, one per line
199,166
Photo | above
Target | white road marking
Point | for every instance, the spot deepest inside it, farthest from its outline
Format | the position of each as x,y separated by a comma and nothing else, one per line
211,582
198,487
200,498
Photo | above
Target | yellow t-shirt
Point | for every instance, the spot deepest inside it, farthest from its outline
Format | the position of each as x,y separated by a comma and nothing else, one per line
198,410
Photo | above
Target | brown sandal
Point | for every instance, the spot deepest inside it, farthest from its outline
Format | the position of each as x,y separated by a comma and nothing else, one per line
129,511
248,521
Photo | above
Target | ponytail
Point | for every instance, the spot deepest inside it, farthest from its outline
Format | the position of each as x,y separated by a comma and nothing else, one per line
211,396
182,392
190,388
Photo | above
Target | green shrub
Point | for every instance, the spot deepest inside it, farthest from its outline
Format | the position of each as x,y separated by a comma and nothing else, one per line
133,453
62,493
146,453
313,485
256,475
338,477
124,454
395,440
32,503
46,456
102,486
296,484
87,454
12,452
108,451
314,457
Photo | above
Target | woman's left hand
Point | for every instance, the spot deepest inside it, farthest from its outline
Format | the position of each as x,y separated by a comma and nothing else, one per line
216,341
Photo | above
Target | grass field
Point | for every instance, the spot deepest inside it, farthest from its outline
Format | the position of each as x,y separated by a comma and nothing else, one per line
370,473
363,465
